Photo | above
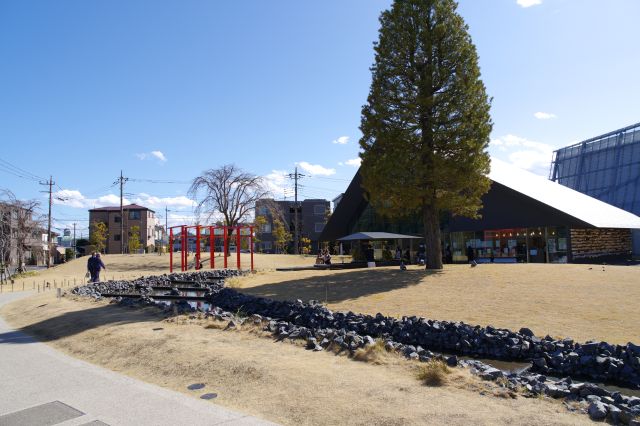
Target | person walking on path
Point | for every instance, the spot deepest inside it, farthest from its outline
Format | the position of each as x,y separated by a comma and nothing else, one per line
471,256
91,266
98,264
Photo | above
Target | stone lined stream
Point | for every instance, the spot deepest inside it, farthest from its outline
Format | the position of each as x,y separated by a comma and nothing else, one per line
524,360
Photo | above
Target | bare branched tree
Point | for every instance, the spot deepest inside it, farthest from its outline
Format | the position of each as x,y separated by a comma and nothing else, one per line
228,191
21,228
5,240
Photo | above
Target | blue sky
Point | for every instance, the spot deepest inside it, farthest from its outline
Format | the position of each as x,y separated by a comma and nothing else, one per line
164,90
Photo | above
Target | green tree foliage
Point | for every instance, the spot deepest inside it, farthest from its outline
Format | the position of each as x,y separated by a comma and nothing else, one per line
98,237
426,123
259,223
281,236
305,245
134,239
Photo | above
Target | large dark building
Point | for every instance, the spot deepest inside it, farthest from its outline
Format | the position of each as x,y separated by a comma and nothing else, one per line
606,167
312,217
525,218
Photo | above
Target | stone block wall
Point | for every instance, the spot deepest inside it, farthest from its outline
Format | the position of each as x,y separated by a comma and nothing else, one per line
600,243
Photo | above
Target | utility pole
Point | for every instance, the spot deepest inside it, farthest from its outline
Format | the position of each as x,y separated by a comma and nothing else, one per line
295,176
122,180
50,183
75,252
166,227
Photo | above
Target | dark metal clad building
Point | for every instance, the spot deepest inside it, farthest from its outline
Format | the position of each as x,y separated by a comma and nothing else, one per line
525,218
606,167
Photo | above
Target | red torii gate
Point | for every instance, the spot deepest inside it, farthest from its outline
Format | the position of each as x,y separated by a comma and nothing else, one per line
227,233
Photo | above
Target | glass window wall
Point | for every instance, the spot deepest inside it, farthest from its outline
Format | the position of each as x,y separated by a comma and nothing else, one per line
514,245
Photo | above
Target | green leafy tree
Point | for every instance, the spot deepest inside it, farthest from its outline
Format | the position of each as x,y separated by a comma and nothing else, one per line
305,245
68,254
98,237
426,123
134,239
281,236
258,224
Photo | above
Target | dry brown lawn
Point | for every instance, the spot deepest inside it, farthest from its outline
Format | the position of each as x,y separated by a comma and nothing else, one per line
133,266
277,381
578,301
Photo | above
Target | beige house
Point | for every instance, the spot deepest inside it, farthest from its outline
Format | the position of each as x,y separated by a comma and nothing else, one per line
134,215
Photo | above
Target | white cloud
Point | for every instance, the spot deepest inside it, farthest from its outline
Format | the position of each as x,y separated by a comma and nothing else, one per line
544,115
528,3
277,182
355,162
158,202
176,219
524,153
74,198
316,169
342,140
158,155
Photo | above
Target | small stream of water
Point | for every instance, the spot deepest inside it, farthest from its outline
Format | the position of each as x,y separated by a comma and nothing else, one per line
506,366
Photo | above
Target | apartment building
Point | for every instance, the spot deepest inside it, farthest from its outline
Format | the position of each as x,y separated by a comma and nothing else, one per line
134,215
312,216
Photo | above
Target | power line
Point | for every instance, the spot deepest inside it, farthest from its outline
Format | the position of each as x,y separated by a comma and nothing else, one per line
177,182
328,178
20,171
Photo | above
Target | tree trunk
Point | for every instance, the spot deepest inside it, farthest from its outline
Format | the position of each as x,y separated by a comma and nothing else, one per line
431,221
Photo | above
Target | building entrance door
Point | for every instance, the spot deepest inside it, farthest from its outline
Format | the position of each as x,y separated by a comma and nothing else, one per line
537,247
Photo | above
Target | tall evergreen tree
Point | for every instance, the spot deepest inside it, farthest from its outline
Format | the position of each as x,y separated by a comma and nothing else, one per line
426,123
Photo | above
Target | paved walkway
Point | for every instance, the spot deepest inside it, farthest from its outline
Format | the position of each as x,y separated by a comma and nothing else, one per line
41,386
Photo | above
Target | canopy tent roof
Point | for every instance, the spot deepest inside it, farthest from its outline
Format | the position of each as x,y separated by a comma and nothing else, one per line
377,236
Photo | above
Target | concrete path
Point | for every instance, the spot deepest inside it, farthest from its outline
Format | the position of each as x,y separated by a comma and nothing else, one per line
41,386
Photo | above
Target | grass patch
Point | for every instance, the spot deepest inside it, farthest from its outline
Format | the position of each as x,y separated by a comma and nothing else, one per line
233,282
374,354
433,373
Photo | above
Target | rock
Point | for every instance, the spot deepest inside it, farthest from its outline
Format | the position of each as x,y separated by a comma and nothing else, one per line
540,363
452,361
597,410
526,331
576,388
231,325
413,356
491,374
593,398
615,414
589,348
607,400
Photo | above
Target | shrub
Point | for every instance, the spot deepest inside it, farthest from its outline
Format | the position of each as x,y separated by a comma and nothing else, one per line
371,353
433,373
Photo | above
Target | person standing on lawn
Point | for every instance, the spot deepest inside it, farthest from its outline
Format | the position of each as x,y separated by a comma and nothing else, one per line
98,264
91,266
